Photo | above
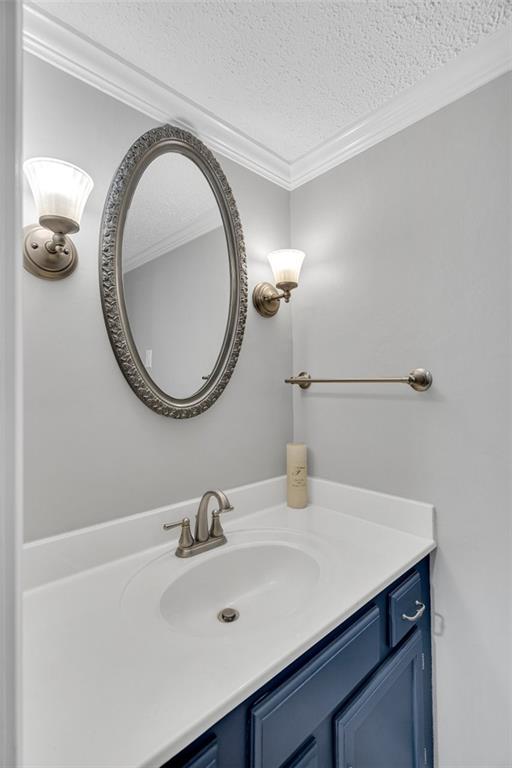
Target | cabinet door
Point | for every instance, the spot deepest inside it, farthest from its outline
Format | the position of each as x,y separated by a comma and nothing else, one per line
207,758
384,725
287,716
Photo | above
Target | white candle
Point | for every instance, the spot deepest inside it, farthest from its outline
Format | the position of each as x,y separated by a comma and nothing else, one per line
297,475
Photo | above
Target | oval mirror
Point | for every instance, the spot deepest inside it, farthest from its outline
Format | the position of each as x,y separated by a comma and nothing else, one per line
172,272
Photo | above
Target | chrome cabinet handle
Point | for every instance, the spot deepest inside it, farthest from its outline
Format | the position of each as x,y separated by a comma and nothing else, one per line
186,538
419,613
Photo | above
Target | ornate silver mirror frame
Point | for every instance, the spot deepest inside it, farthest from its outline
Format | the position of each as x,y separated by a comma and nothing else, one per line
144,150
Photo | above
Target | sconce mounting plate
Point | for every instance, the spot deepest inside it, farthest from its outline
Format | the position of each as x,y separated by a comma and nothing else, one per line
42,262
265,298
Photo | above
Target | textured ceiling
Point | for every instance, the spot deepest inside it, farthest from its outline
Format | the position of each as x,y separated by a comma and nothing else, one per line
172,195
290,75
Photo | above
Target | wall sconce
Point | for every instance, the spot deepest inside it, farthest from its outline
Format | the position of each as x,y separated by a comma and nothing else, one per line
60,193
286,265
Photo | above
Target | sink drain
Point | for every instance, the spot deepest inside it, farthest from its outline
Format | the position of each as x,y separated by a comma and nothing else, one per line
227,615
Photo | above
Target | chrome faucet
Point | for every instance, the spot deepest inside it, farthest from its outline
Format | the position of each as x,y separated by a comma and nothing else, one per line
204,538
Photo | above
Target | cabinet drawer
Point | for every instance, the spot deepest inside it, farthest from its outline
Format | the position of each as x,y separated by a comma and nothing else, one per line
405,601
285,718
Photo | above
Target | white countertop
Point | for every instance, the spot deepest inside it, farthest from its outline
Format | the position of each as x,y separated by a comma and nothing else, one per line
105,688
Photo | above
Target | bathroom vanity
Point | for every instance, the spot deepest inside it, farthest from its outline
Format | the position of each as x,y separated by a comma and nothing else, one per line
328,664
360,697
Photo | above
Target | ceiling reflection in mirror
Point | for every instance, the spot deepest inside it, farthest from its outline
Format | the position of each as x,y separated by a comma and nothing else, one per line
176,276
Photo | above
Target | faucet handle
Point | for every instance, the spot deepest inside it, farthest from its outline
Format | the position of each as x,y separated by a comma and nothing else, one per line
186,539
216,529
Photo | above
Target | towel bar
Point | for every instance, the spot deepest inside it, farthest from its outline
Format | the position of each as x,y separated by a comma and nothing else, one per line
419,379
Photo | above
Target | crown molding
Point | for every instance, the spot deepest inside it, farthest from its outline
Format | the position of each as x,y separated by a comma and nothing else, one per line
470,70
73,53
200,226
66,49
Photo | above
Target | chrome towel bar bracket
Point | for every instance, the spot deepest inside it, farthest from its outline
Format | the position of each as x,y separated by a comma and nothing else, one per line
419,379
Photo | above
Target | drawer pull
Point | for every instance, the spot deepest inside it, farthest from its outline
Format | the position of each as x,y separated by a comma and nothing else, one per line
419,613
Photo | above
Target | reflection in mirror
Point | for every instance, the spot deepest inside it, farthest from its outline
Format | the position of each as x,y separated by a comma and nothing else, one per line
176,275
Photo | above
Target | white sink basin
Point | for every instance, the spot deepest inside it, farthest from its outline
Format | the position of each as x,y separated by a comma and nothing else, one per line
264,582
265,575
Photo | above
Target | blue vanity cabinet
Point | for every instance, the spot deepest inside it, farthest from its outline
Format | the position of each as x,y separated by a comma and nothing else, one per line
360,698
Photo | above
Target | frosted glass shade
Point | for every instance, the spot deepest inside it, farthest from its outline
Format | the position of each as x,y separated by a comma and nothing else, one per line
286,265
60,189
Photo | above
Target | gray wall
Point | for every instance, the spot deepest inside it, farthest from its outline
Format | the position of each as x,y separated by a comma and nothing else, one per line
11,381
409,249
185,342
94,451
